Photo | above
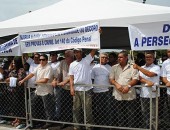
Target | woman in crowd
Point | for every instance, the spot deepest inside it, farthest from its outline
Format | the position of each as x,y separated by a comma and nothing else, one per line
15,93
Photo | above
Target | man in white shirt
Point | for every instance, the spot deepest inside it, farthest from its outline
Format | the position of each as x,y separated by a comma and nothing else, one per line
102,97
165,75
54,63
149,76
43,74
33,64
79,72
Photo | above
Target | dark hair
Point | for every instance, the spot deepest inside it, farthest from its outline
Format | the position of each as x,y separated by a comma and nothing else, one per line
18,63
28,66
113,54
125,53
140,55
53,53
151,53
37,54
45,56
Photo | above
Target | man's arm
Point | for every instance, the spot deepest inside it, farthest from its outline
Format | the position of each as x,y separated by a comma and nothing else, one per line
130,84
145,81
144,71
133,82
63,83
72,92
166,82
26,78
117,85
43,80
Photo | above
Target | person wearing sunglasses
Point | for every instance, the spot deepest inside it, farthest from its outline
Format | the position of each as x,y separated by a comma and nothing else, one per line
44,91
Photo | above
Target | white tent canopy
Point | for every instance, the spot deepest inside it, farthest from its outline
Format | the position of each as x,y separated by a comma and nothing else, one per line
72,13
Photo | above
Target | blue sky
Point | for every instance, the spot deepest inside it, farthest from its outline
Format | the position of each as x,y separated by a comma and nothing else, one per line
13,8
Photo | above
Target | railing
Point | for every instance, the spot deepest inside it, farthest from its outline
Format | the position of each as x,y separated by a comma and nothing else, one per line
106,111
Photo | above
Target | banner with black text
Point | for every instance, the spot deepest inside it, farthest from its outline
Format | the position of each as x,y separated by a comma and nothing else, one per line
10,48
87,36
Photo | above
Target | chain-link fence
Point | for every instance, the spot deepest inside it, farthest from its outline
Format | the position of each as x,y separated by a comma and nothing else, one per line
93,110
163,109
87,109
12,101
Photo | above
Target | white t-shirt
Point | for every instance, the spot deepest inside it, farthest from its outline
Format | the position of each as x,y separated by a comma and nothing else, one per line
145,91
81,72
100,74
1,76
31,81
165,72
54,66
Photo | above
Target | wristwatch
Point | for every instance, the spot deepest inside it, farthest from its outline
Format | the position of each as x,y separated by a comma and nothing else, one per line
129,86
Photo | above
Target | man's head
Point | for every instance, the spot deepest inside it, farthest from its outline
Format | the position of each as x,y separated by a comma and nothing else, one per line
43,59
112,58
69,55
103,58
53,56
123,57
78,53
36,58
164,57
149,57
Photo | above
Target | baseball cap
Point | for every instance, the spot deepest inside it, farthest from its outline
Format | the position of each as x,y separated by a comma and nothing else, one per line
77,49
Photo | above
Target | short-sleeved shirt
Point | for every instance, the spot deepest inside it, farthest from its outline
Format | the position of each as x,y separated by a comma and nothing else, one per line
165,72
100,74
123,77
54,66
62,73
146,91
44,72
31,81
81,72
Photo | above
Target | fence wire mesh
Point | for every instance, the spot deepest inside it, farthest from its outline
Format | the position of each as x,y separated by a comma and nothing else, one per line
12,101
92,109
164,110
88,108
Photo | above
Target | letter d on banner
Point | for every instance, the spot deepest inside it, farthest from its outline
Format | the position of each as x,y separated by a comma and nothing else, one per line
166,28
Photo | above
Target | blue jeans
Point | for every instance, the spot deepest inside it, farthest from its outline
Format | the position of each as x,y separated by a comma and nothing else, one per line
57,98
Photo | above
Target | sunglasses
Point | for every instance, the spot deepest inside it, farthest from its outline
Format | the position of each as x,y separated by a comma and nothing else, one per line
41,59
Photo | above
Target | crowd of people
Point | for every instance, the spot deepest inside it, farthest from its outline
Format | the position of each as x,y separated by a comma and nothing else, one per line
64,87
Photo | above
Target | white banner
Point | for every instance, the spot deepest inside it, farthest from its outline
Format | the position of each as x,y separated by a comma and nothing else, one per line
10,48
87,36
150,36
